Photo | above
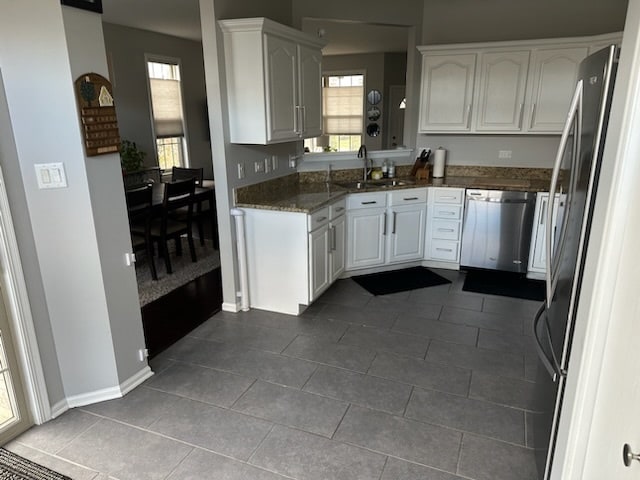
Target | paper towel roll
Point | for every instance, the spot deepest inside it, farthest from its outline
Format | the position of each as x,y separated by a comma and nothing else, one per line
438,162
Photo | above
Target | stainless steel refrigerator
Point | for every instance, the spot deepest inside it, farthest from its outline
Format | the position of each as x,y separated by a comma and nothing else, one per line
575,180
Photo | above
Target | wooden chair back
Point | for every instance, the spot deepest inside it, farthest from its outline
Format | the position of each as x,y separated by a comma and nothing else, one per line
181,173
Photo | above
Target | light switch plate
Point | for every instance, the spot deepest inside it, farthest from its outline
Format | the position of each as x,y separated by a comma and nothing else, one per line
50,175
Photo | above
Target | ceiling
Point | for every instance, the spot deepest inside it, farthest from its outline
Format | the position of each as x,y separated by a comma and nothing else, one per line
170,17
162,16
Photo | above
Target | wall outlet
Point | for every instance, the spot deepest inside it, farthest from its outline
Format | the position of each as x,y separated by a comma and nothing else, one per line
143,354
293,161
274,162
240,171
504,154
259,166
267,165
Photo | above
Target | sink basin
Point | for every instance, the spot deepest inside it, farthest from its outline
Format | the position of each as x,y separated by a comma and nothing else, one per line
369,184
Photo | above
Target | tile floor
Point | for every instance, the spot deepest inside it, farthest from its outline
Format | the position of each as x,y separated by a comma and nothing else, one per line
431,384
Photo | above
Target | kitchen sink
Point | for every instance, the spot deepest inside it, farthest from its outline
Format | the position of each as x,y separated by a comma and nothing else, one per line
374,184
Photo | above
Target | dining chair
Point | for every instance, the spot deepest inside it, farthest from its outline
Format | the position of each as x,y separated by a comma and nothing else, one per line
175,220
139,203
201,213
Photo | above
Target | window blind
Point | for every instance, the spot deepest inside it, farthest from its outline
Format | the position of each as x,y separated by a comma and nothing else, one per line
342,110
166,104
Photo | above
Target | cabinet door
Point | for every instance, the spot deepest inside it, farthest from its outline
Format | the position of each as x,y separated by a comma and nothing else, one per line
446,94
554,73
319,246
501,94
366,235
406,233
337,233
310,62
282,88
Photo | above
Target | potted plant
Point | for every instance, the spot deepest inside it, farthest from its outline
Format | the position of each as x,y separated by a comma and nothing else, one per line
131,158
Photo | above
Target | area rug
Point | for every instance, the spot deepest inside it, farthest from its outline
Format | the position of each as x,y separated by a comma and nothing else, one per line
14,467
184,270
506,284
384,283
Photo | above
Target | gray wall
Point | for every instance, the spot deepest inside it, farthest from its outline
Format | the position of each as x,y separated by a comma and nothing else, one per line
126,48
28,255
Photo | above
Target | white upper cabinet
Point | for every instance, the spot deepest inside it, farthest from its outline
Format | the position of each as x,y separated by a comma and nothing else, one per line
520,87
274,76
447,92
553,80
501,92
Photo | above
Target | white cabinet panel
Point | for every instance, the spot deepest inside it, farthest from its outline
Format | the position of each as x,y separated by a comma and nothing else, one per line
406,236
318,261
337,238
446,96
366,237
553,79
501,94
444,227
310,75
282,87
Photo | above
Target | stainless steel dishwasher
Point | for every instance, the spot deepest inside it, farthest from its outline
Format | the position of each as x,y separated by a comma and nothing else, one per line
496,232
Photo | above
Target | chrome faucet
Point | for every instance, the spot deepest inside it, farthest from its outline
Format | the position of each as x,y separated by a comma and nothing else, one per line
362,153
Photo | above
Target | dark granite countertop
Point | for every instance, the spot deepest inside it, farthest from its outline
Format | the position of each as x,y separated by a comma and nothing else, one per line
294,194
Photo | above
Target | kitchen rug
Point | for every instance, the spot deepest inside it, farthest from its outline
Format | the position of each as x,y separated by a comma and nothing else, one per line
14,467
384,283
506,284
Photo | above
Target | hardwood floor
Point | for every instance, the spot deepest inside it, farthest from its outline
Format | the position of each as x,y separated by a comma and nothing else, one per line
169,318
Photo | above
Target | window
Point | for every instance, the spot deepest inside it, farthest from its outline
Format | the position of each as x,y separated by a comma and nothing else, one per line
342,112
168,116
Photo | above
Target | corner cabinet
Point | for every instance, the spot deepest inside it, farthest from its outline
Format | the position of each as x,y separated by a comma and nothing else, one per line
274,82
293,257
522,87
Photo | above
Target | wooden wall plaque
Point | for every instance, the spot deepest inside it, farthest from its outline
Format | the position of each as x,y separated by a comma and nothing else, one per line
97,114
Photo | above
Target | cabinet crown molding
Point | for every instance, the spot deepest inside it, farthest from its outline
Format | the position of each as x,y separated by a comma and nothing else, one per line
266,25
614,37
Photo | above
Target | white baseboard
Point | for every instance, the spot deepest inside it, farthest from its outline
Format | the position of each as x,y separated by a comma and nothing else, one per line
230,307
58,409
111,392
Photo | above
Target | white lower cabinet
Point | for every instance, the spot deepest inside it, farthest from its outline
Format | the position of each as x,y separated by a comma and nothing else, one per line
444,227
293,257
385,228
537,252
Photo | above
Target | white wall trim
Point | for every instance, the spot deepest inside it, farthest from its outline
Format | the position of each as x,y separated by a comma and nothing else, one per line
59,408
20,317
111,392
231,307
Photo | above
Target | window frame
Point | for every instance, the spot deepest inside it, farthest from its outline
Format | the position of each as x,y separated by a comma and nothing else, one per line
153,58
349,72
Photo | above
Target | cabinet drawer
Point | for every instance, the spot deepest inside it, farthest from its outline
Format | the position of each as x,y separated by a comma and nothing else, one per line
448,195
444,250
367,200
318,218
338,208
446,230
408,197
449,212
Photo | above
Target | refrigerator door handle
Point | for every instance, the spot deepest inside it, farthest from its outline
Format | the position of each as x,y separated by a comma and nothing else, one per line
575,110
541,353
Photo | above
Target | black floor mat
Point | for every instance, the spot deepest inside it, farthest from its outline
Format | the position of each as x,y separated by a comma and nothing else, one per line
507,284
384,283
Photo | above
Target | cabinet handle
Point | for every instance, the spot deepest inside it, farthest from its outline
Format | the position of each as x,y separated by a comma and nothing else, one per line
410,198
393,231
368,203
520,115
450,230
468,121
444,249
334,238
296,119
533,111
304,119
321,219
451,198
384,227
339,209
446,213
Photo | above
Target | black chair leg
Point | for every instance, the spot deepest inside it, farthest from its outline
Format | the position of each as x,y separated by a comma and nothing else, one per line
167,260
200,230
178,241
192,247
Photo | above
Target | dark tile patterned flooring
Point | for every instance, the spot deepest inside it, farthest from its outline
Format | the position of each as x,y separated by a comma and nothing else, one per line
431,384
